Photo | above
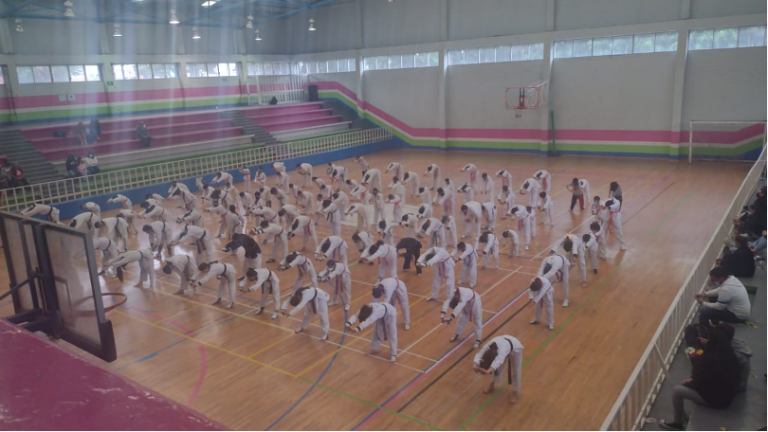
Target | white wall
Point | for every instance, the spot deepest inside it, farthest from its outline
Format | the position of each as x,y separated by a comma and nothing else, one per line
56,37
400,23
578,14
725,85
631,92
409,95
495,18
719,8
476,94
337,24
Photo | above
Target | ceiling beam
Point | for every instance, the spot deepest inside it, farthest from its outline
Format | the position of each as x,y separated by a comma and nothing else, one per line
294,12
17,7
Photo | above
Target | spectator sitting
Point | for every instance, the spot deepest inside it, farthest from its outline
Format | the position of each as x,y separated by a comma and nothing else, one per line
758,246
732,303
94,130
17,176
741,262
143,134
71,166
743,354
81,166
91,164
713,382
80,134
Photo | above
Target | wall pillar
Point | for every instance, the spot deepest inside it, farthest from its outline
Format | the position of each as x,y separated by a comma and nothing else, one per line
442,79
545,105
678,90
6,43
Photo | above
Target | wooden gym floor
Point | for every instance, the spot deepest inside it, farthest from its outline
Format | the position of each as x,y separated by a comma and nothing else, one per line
249,372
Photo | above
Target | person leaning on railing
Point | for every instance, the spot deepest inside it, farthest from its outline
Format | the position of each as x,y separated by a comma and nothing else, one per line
732,304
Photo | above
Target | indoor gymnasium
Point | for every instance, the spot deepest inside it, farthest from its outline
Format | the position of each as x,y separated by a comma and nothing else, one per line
383,215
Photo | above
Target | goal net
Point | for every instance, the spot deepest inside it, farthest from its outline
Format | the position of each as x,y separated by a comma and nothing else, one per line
726,140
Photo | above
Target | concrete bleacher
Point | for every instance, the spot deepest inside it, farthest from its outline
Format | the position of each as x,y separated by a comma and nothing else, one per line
303,119
748,410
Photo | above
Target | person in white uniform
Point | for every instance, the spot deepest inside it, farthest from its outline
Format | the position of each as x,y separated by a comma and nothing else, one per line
246,172
444,271
305,171
546,208
386,230
252,255
387,256
512,238
289,213
185,266
531,188
363,164
361,212
446,199
395,168
305,226
394,291
451,233
306,270
471,169
313,301
526,222
433,170
160,234
541,292
468,191
425,195
614,206
277,235
226,275
378,206
269,283
434,230
342,282
108,250
372,179
545,178
333,215
490,361
488,245
410,222
506,200
363,241
506,178
412,178
202,240
222,177
473,213
587,245
51,212
145,263
115,229
192,217
556,266
489,215
384,316
570,245
260,178
335,248
85,221
487,188
424,212
597,231
397,207
467,255
465,303
188,199
92,207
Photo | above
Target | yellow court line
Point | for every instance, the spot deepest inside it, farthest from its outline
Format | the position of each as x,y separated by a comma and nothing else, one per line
177,313
207,344
273,344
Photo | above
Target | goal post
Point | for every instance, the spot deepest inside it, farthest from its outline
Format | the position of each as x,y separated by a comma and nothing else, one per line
740,141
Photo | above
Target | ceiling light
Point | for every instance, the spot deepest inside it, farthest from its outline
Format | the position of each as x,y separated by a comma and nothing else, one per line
209,3
258,38
116,32
19,28
249,24
174,19
311,25
68,12
195,33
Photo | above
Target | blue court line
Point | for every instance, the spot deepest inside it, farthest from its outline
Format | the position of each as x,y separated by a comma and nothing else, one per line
437,362
155,353
327,368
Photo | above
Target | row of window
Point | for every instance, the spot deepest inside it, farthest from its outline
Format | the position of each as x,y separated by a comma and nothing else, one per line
144,71
617,45
203,70
498,54
325,66
58,74
402,61
736,37
273,68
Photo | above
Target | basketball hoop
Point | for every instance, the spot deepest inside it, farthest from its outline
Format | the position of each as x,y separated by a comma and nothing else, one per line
519,112
523,98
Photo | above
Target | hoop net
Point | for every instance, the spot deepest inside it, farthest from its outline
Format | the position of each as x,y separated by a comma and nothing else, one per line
725,140
522,98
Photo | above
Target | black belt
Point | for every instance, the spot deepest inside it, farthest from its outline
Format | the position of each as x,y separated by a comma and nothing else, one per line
509,361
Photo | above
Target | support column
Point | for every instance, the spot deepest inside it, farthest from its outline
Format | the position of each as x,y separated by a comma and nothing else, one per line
685,9
677,97
6,43
544,108
550,15
360,90
442,80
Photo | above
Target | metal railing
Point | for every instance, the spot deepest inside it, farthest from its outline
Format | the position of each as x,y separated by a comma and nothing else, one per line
638,395
115,181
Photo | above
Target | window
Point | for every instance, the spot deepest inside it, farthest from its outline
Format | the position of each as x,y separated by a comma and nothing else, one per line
582,48
400,61
488,55
752,36
666,42
471,56
57,74
455,57
519,52
145,71
700,40
194,70
725,38
333,66
622,45
322,67
395,62
420,60
563,49
170,71
233,70
407,61
158,71
342,65
369,63
503,54
644,43
433,59
382,62
117,71
42,74
537,51
61,73
602,46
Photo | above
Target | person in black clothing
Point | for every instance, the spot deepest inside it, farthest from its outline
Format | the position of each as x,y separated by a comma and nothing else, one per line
741,262
71,165
142,133
94,130
713,382
412,252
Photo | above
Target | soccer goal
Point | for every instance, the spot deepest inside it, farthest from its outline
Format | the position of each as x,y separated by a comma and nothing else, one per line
726,140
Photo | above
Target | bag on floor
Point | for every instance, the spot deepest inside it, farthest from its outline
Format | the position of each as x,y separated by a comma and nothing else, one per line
692,334
59,134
